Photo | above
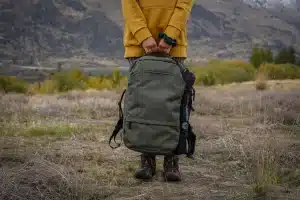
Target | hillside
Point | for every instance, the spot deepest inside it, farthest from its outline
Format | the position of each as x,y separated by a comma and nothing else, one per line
49,30
274,4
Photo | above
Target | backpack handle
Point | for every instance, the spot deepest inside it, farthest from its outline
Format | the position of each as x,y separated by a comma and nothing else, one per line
158,54
163,54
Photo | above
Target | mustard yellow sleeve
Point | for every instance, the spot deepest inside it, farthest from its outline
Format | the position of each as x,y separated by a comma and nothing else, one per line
179,18
135,19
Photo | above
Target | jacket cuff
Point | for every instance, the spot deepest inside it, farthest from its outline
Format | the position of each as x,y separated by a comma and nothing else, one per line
142,34
172,32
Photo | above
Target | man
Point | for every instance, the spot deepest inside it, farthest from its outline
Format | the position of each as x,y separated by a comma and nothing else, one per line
155,26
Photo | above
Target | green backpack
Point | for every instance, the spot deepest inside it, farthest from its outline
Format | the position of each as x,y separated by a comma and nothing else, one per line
157,106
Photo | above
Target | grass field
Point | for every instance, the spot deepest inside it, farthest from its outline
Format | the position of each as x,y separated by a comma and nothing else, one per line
56,147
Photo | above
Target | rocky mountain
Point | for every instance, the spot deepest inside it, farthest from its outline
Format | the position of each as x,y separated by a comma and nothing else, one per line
274,4
65,28
55,30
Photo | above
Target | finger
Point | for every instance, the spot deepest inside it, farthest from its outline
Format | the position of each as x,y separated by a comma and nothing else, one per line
155,49
153,46
147,50
161,50
162,46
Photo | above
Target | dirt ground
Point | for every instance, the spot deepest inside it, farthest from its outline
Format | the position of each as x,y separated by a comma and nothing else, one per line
56,147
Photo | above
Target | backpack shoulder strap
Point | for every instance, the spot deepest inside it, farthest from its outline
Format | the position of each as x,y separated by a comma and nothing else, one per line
119,124
189,98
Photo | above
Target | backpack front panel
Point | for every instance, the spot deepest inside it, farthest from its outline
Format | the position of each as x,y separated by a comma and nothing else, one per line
152,106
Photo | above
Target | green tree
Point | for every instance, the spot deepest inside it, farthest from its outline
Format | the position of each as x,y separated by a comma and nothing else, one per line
262,55
268,55
286,55
255,58
291,55
281,56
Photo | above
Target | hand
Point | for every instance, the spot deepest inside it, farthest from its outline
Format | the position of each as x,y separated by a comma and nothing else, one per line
150,45
164,47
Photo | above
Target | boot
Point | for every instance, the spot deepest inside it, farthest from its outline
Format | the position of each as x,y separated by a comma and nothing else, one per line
171,168
147,167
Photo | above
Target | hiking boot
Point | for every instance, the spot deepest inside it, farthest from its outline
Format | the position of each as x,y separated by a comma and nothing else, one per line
171,168
147,168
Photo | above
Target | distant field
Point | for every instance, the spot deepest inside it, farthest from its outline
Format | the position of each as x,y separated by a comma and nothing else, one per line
36,73
56,147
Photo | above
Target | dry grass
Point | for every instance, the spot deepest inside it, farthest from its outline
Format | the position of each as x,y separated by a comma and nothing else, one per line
261,81
56,147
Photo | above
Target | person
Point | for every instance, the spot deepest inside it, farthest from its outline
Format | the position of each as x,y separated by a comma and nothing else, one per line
156,26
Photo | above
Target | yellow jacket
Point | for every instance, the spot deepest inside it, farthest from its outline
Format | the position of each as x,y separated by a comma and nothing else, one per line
146,18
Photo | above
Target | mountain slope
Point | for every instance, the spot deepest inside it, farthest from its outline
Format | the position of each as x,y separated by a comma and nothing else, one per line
271,4
58,28
246,26
39,29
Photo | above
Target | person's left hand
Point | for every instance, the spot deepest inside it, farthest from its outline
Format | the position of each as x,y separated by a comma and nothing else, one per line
164,47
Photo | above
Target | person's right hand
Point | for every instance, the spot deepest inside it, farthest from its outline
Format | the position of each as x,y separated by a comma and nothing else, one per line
150,45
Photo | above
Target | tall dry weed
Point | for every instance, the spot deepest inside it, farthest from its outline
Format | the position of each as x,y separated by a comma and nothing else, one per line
261,82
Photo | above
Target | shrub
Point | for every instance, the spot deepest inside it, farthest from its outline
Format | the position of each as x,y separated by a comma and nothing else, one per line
49,86
241,64
113,81
223,72
107,83
33,88
94,82
12,84
231,74
280,71
214,72
57,130
99,83
116,77
60,82
123,82
209,79
66,81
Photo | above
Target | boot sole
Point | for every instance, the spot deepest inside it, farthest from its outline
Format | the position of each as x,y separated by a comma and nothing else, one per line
171,178
143,176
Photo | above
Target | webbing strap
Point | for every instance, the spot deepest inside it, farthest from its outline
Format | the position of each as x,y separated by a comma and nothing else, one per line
191,139
119,124
190,103
189,135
